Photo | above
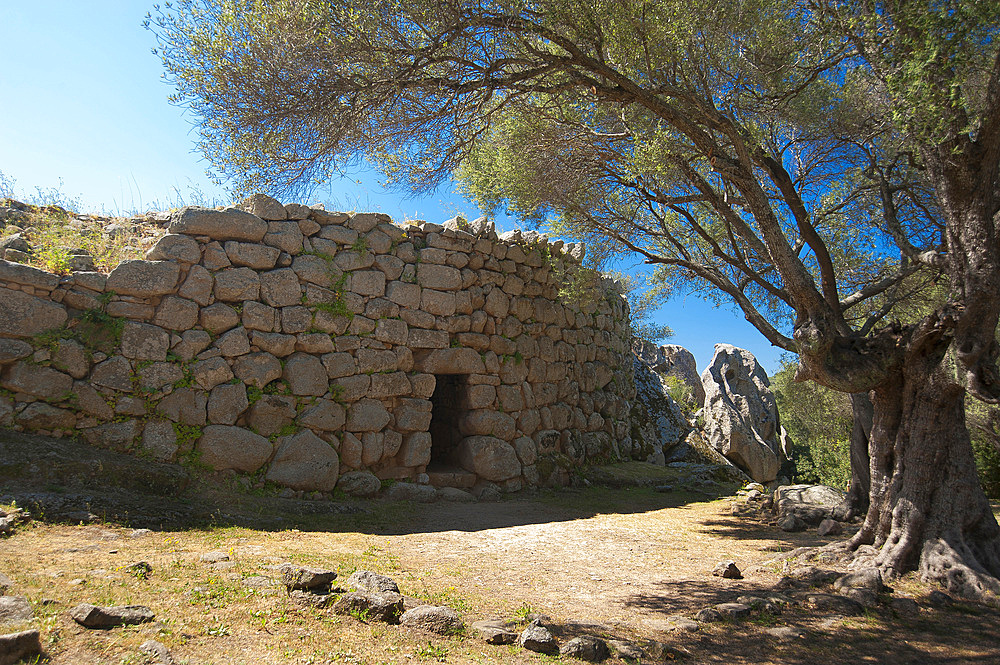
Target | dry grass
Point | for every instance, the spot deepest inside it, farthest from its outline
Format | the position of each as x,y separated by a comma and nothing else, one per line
611,562
53,234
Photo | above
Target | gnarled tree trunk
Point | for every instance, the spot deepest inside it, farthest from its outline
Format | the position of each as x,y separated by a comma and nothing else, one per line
928,510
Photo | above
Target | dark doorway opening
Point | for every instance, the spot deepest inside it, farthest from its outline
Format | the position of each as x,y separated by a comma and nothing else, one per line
446,409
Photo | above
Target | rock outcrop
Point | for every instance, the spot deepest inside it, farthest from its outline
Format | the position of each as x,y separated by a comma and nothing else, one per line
658,423
671,360
741,416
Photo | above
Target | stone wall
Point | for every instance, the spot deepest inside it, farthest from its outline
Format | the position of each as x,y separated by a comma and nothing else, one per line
310,347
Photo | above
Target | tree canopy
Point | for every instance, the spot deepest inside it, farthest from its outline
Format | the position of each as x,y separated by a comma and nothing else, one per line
821,164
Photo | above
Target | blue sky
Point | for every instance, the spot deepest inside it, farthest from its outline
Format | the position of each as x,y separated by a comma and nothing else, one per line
85,105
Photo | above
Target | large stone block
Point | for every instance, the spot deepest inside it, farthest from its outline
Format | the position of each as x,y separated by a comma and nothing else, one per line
487,422
263,206
22,315
367,415
368,283
185,406
438,277
159,439
197,286
252,255
286,236
305,375
20,273
237,285
14,349
176,313
305,462
271,413
416,449
144,278
141,341
41,382
315,269
489,458
325,415
228,224
39,415
226,403
257,369
211,372
226,447
280,288
449,361
175,247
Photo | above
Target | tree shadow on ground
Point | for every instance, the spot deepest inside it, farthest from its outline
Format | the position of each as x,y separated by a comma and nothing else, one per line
964,633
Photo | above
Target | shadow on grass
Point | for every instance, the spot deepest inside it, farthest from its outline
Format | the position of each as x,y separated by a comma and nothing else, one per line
61,480
964,633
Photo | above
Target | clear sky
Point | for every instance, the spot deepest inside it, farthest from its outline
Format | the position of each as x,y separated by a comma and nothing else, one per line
84,105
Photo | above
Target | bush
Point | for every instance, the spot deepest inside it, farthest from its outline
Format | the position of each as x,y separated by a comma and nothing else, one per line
819,420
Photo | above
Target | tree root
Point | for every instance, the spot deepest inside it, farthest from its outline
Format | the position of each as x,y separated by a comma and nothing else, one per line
941,563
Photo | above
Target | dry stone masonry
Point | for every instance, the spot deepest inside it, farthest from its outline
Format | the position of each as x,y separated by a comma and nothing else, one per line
314,348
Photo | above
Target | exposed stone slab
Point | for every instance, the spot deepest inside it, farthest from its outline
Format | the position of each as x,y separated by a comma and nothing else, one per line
227,447
144,278
227,224
305,462
23,315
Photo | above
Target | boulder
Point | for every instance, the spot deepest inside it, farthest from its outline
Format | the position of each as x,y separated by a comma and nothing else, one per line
586,647
809,504
367,606
671,360
727,570
537,637
434,619
494,632
359,483
14,609
741,416
92,616
366,580
411,492
304,578
15,647
658,422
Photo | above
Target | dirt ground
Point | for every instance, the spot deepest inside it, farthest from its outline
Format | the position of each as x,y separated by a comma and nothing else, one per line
611,562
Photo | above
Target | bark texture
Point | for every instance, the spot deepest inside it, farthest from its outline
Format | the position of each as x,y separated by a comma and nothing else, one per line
927,509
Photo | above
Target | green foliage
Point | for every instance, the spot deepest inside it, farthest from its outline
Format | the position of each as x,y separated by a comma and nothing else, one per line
983,422
819,420
187,434
680,392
